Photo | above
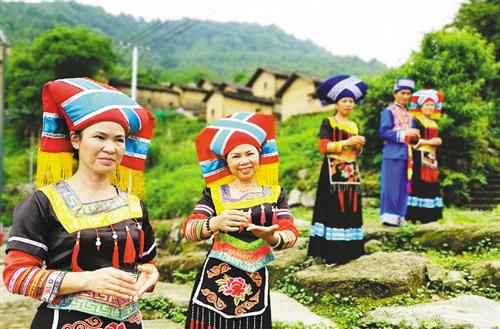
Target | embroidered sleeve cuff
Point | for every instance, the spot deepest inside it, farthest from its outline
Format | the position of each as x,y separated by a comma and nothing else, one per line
194,229
287,239
51,289
37,283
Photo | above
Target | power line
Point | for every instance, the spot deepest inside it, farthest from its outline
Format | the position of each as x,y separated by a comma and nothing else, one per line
148,31
187,25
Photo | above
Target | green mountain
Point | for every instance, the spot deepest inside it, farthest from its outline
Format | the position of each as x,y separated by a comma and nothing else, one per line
226,49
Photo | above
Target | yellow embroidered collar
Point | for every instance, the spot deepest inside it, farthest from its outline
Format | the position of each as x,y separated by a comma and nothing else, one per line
349,127
75,215
222,202
426,122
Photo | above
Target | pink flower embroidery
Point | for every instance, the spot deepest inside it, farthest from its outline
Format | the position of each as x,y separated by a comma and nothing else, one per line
347,171
234,287
114,325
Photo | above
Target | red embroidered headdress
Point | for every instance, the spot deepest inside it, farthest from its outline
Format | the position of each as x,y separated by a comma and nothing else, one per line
77,103
220,137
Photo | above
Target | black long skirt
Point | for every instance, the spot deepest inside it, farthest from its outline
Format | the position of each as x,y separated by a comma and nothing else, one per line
336,231
425,203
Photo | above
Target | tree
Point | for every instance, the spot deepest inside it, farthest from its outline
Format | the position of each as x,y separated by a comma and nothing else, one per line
61,52
461,64
482,15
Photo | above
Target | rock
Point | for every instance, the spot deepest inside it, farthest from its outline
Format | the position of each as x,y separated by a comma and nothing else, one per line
283,308
169,238
161,324
436,272
285,259
373,246
294,198
308,198
302,174
461,312
378,275
183,263
178,294
287,309
454,280
454,237
487,273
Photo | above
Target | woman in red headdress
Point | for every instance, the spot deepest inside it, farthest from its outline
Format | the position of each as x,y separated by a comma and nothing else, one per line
425,203
89,228
246,213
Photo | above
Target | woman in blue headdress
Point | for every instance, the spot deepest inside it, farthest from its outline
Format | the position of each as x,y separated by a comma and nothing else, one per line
336,232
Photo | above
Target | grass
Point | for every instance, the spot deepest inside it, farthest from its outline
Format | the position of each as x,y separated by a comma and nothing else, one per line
450,215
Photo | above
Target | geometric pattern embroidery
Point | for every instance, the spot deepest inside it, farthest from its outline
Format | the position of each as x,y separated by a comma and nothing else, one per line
97,307
75,215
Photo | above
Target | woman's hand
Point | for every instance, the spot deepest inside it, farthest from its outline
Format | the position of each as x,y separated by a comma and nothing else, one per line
266,233
111,281
229,221
436,141
354,141
413,133
146,280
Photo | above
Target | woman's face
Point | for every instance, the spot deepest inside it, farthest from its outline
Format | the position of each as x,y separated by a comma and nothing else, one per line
402,97
428,108
344,106
100,147
243,161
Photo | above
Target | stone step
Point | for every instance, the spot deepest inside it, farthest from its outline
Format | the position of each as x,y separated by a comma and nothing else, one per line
466,311
494,180
491,187
485,200
283,308
484,194
481,206
161,324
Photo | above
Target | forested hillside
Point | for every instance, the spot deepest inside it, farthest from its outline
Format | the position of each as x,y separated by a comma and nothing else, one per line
223,49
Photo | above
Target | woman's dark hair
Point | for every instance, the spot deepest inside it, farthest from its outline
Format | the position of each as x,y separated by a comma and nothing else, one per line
78,133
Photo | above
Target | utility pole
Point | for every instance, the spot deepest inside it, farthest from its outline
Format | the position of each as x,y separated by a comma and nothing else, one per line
3,54
133,85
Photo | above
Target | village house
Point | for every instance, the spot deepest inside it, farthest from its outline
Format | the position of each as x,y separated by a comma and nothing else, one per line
220,103
266,83
149,96
296,97
191,98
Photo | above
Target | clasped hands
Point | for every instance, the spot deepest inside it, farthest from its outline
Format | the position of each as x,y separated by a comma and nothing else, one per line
356,141
236,220
121,284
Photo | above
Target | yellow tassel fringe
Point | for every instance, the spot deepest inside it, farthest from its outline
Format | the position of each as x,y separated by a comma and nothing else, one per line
129,180
52,168
55,167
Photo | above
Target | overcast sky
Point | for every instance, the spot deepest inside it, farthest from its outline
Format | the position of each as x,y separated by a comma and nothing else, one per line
387,30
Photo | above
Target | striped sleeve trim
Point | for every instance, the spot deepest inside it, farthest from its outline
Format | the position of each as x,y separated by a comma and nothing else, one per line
150,250
34,282
283,213
204,209
29,241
